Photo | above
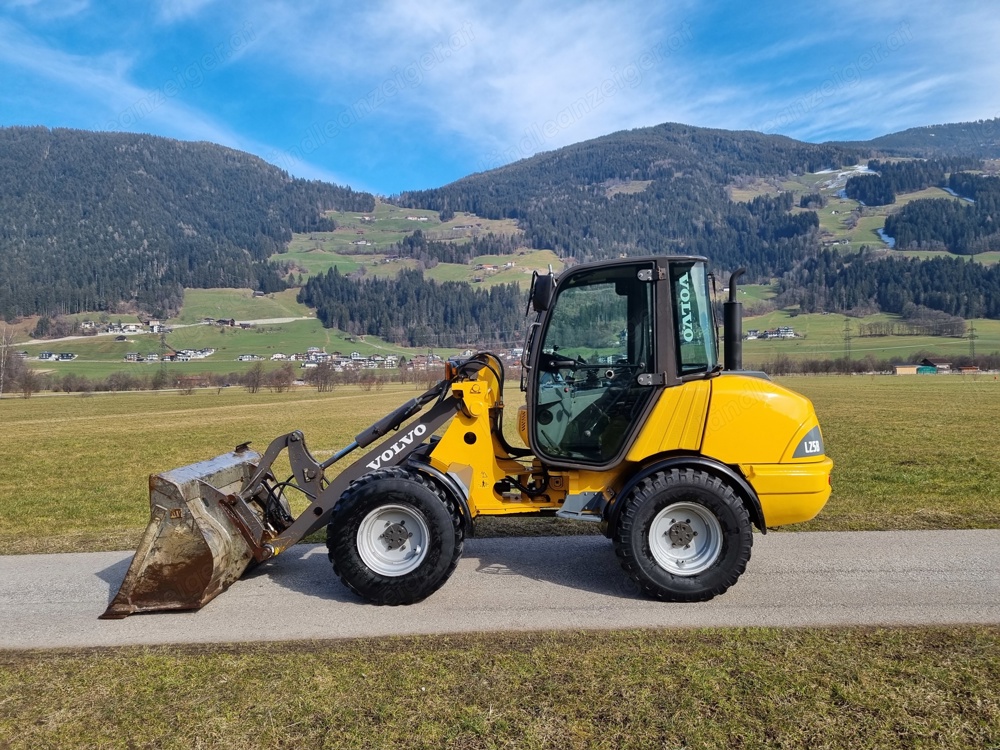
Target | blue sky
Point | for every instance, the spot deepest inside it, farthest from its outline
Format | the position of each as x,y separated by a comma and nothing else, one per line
389,96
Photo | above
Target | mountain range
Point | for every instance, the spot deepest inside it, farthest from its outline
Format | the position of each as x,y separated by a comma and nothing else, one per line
94,221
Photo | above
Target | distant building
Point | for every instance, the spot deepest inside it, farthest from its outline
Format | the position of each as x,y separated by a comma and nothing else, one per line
904,369
940,365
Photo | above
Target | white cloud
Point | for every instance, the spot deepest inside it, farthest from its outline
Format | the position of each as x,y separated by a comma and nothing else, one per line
113,101
492,76
171,11
46,10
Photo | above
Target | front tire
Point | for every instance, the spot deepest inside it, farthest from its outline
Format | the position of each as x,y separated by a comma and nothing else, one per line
395,538
683,536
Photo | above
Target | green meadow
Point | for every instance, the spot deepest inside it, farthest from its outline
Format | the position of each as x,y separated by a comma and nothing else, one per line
822,336
78,465
364,241
239,304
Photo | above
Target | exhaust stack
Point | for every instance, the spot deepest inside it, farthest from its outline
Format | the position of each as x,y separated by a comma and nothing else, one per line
733,320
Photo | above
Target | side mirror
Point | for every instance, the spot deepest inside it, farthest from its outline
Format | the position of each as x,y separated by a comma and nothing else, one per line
542,291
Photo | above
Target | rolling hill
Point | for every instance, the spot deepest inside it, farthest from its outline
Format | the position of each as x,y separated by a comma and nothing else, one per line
97,221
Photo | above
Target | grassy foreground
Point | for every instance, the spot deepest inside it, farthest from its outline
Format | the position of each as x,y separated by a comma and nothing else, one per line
857,688
910,452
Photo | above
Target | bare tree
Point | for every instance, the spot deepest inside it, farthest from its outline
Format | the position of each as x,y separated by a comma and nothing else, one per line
253,379
367,381
29,382
281,380
322,376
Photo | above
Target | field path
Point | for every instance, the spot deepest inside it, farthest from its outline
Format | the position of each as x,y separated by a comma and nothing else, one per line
794,579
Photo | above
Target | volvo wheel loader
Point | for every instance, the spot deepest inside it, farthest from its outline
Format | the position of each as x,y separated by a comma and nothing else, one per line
631,422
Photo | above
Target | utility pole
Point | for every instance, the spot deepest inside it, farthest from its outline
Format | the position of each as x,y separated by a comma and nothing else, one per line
3,356
847,338
972,340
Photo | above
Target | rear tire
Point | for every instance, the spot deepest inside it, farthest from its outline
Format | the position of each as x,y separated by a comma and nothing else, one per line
395,538
683,536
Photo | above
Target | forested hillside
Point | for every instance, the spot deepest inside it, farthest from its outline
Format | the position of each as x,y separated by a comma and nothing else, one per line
965,228
418,312
979,140
892,178
663,189
842,282
567,200
89,221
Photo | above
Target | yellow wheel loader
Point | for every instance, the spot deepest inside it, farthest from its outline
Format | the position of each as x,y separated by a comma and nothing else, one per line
631,423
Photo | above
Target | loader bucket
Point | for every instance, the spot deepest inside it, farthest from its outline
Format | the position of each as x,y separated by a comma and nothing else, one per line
192,550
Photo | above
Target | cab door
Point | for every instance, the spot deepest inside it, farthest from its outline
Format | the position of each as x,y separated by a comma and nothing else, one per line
585,393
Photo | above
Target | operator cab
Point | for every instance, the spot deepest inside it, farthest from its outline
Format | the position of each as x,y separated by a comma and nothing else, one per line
607,337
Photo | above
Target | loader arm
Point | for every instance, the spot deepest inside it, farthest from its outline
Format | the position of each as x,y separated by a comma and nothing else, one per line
390,452
210,520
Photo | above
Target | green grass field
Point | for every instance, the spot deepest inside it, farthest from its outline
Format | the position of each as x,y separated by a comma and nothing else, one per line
756,292
239,304
821,336
707,688
78,466
910,452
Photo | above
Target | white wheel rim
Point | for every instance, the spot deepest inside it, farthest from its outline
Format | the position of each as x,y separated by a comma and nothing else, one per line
685,539
392,540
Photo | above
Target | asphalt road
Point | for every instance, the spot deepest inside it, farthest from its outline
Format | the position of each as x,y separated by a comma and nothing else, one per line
524,584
